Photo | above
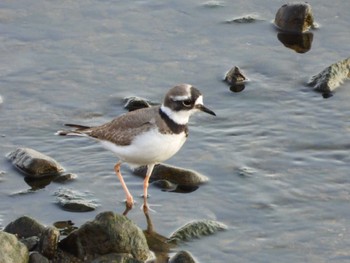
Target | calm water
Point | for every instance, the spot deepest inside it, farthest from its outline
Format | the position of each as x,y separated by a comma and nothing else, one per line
277,154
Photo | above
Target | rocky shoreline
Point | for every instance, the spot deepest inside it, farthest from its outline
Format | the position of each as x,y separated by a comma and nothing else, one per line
109,237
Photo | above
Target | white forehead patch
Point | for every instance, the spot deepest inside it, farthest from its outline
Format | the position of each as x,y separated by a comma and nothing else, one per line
199,100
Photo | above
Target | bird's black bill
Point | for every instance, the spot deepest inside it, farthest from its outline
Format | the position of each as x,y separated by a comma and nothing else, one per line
205,109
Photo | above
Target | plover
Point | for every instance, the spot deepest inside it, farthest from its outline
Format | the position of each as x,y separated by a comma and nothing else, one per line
149,135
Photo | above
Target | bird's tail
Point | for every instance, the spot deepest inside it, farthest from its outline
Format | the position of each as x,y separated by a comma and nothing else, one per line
80,130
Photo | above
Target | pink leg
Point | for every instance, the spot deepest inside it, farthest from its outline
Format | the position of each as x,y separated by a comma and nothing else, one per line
145,185
129,198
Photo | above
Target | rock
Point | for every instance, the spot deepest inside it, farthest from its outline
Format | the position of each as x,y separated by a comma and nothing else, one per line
34,164
65,227
25,227
48,242
182,257
116,258
36,257
196,229
108,233
234,75
299,42
173,174
63,178
235,78
64,257
247,19
11,250
135,103
30,242
331,77
213,4
74,201
294,17
164,185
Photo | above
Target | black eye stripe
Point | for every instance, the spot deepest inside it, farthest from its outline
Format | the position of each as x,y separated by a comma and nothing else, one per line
187,103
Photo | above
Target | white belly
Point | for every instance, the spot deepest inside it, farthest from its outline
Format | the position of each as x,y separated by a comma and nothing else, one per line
151,147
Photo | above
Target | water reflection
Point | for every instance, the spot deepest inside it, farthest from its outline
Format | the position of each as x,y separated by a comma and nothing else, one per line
299,42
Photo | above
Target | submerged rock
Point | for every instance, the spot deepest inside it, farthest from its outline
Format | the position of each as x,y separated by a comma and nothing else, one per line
34,164
25,227
247,19
173,174
36,257
74,201
294,17
195,230
331,77
182,257
11,250
108,233
135,103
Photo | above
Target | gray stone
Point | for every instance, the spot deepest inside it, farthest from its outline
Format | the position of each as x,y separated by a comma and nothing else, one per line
36,257
331,77
11,250
196,229
30,242
294,17
235,75
33,163
108,233
25,227
49,241
247,19
173,174
182,257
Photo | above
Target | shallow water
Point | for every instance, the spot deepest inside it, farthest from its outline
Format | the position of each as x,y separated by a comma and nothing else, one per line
276,154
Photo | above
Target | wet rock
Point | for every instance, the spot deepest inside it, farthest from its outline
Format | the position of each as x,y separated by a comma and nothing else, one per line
11,250
182,257
33,163
173,174
116,258
331,77
36,257
294,17
235,78
48,242
299,42
247,19
74,201
25,227
195,230
108,233
135,103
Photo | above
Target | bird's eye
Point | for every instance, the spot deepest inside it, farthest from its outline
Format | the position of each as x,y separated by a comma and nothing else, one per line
187,103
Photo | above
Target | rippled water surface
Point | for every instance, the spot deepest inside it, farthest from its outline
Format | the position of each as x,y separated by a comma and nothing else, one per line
277,154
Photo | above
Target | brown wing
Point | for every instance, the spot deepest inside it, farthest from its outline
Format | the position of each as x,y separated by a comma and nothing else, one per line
124,128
